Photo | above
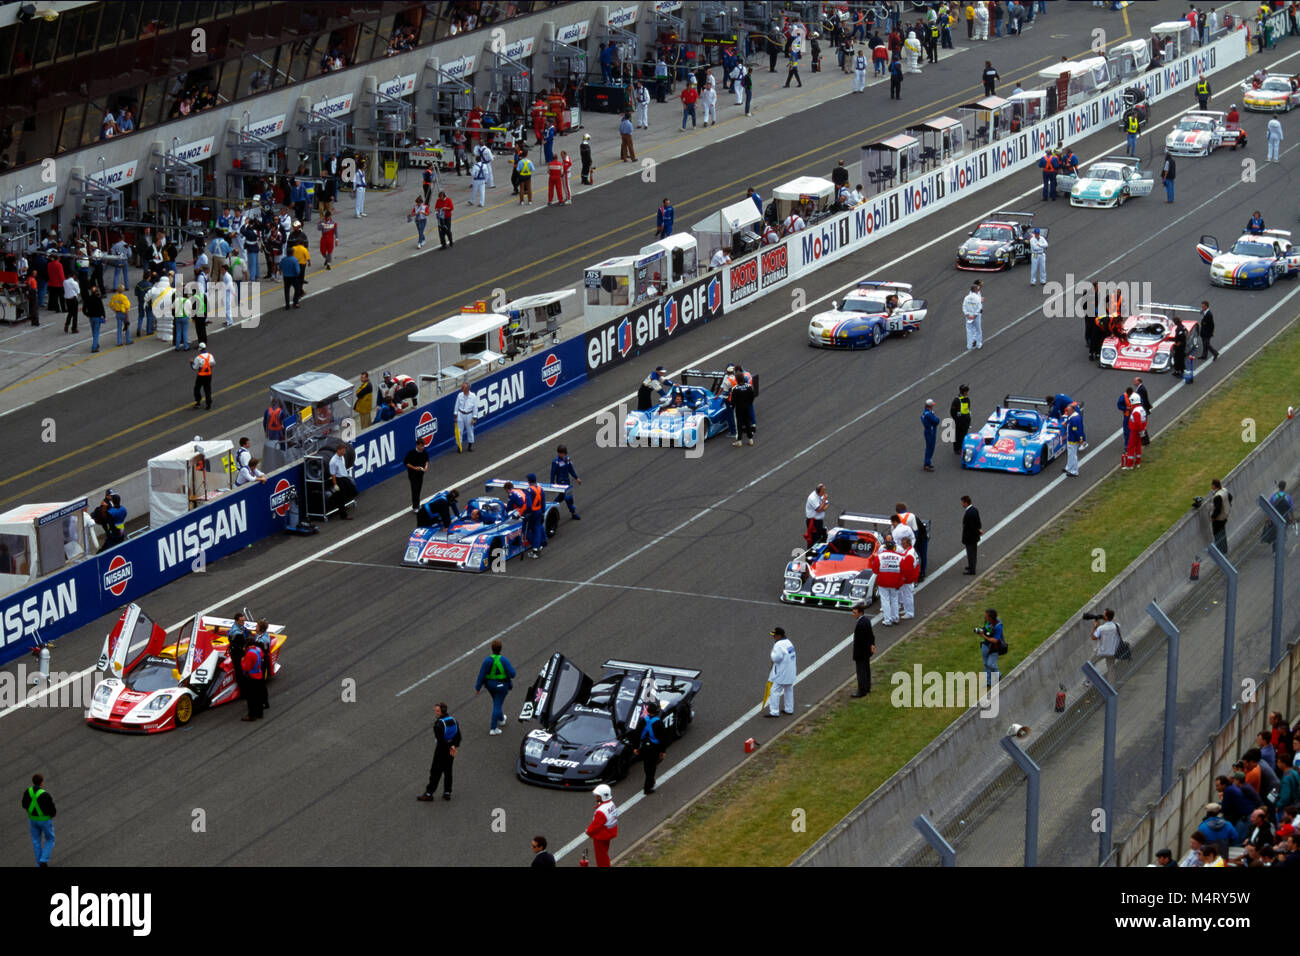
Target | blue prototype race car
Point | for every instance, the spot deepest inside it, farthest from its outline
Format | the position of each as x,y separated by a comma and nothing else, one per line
694,411
486,534
1020,437
590,728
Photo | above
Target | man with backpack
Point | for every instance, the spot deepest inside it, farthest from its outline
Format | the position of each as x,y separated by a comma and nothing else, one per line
992,644
1281,503
447,734
1106,633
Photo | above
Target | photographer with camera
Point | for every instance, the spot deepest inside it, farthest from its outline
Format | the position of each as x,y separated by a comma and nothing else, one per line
991,645
1106,633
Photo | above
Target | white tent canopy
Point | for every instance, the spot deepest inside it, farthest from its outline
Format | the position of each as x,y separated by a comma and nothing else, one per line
188,476
458,330
309,388
813,186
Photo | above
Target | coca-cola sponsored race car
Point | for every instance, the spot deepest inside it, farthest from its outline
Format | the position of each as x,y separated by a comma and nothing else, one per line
1146,339
154,686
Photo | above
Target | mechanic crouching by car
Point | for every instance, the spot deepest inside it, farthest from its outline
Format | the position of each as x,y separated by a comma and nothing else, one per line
655,386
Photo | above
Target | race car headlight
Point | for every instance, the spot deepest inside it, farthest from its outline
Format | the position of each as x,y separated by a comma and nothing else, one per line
533,748
1108,193
1108,354
1002,253
158,703
1029,457
792,582
102,693
1160,360
598,758
968,453
858,587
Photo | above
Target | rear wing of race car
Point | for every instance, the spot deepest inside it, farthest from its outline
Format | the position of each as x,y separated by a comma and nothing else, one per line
1164,307
877,284
1124,160
1024,401
685,673
499,483
1019,215
1280,233
850,519
712,380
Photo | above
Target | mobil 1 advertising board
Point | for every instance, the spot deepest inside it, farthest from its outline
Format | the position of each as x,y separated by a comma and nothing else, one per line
378,451
654,323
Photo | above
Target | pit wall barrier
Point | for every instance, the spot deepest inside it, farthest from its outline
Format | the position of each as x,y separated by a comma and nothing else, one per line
747,279
102,584
74,598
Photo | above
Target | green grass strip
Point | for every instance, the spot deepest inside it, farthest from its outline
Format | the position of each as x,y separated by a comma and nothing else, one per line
826,766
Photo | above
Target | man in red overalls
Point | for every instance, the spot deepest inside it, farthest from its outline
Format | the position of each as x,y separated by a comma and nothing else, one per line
555,182
1137,424
604,824
568,166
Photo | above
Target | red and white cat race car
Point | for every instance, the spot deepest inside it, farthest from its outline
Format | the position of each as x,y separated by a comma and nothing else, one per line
154,686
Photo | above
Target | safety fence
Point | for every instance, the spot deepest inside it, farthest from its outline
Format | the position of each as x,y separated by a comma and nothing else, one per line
1177,813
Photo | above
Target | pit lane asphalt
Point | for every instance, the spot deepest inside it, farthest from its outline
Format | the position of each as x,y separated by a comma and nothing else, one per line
333,782
107,428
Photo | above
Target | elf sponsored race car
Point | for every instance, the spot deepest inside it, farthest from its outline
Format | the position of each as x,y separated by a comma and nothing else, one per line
1109,183
487,534
998,242
1255,261
1276,94
1201,132
694,411
869,312
1020,437
590,728
1144,341
835,572
155,686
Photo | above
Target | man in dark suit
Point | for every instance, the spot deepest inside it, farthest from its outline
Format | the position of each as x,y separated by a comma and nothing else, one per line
971,529
1207,332
541,856
864,645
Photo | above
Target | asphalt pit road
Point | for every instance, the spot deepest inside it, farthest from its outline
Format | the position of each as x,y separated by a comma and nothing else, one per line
658,519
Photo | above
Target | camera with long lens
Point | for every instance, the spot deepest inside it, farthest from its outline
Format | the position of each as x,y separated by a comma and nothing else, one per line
1094,617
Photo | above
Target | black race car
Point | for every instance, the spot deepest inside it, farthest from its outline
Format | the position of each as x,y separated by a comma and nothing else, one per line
998,242
590,728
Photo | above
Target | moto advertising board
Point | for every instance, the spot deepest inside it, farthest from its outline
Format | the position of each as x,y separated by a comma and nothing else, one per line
654,323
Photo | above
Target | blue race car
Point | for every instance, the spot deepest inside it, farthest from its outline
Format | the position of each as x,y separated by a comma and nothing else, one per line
486,534
694,411
1020,437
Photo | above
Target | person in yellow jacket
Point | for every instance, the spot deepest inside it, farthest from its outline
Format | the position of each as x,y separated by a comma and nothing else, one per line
120,306
364,404
303,255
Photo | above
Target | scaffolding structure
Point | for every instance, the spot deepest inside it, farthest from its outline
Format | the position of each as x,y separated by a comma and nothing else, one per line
178,203
251,158
509,80
19,231
567,62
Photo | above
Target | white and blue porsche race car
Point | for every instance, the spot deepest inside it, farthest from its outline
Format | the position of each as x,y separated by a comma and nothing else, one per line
1108,183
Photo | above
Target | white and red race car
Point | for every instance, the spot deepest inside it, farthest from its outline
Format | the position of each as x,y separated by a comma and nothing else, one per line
154,686
1201,132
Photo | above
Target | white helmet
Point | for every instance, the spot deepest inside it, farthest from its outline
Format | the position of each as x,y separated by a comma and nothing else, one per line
603,793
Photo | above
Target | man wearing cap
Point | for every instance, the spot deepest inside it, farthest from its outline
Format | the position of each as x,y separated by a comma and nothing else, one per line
930,425
782,675
1037,257
972,308
1215,829
864,645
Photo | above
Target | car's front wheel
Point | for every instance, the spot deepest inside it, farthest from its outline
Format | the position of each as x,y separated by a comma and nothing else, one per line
184,710
877,334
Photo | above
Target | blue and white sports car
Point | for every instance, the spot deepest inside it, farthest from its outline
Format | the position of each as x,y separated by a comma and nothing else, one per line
869,312
485,535
1020,437
1108,183
692,413
1255,261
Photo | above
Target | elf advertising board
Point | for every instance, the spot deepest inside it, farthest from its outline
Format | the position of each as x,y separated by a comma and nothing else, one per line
654,323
